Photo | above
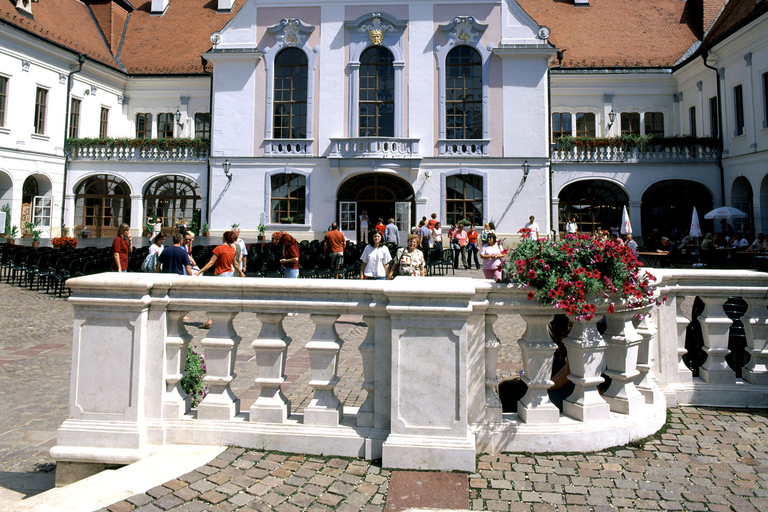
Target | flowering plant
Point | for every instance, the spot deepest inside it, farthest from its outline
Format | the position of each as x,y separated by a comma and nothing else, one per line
67,242
575,273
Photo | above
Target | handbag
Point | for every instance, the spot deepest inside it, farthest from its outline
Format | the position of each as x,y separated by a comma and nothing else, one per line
150,263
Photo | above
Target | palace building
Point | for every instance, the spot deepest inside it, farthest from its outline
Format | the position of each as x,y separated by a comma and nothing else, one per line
296,115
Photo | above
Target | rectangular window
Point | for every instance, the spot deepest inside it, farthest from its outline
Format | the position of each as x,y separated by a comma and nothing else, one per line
103,122
464,198
74,118
203,125
765,101
654,124
288,198
585,124
165,126
692,120
3,92
143,126
630,123
738,111
561,125
714,126
41,101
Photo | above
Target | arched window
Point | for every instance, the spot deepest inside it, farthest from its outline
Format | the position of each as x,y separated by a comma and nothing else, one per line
596,204
668,206
288,198
290,94
102,203
377,93
464,94
464,198
172,198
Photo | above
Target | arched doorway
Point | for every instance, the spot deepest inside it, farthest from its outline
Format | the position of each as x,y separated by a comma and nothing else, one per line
28,192
668,207
596,204
6,198
742,198
37,204
172,198
382,196
764,204
102,203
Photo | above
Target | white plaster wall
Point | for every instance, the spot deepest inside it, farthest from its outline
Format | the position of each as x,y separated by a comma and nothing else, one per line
525,106
160,96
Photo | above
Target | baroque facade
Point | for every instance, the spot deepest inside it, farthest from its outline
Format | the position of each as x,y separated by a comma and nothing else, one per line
487,111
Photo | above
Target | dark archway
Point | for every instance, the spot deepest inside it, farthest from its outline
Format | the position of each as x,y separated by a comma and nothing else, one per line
102,203
173,198
668,207
596,204
381,195
742,198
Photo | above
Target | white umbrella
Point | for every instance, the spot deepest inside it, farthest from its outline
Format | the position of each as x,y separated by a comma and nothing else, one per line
626,226
725,212
695,226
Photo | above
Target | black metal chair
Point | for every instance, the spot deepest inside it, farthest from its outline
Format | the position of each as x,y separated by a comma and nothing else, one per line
307,266
273,267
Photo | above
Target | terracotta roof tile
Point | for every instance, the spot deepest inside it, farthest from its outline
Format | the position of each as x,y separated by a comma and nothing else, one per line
616,33
733,15
64,22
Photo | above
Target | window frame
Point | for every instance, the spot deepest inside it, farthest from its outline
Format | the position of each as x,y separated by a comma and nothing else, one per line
74,117
765,100
692,120
146,117
166,118
296,87
628,117
205,133
103,122
470,73
373,71
41,108
3,99
464,174
714,117
269,176
586,131
562,132
652,122
739,128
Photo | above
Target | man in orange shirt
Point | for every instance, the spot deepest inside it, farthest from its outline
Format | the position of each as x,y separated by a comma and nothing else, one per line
335,242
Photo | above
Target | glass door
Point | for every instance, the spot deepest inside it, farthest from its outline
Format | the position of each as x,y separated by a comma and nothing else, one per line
348,219
41,214
403,220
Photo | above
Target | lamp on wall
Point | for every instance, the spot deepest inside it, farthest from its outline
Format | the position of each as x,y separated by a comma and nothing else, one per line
611,118
177,115
226,166
526,170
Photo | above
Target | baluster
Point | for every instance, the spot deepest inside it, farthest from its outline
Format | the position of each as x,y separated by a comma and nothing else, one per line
492,346
367,350
538,351
684,373
586,355
271,348
175,402
621,359
755,323
715,326
324,408
646,329
220,349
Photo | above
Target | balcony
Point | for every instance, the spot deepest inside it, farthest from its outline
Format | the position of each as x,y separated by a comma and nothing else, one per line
672,150
393,149
138,150
429,357
463,147
288,147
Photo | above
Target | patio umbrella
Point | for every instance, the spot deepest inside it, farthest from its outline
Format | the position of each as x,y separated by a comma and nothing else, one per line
695,226
626,226
725,212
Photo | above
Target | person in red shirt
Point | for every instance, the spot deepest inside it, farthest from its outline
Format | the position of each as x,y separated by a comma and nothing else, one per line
223,259
290,256
335,242
432,221
122,245
381,227
472,236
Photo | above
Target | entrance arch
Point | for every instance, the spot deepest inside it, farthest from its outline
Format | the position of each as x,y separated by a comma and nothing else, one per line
381,195
668,207
102,203
742,198
596,204
173,198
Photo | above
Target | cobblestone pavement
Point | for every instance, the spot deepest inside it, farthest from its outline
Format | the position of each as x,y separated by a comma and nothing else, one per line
706,460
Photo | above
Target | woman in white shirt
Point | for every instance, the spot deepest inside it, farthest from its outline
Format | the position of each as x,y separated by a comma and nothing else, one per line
375,259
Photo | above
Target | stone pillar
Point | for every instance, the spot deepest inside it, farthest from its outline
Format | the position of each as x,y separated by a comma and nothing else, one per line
646,329
670,341
586,355
538,351
220,349
324,408
715,326
367,350
176,402
755,323
271,349
492,346
621,360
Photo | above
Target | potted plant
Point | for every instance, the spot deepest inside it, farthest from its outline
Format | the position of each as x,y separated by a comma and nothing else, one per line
286,220
12,234
206,228
85,233
27,231
262,231
64,242
34,233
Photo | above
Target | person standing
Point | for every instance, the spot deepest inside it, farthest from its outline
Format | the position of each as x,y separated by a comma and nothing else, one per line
534,233
243,250
409,261
391,233
174,259
223,259
472,248
571,227
631,244
364,227
335,243
122,246
189,238
437,235
155,250
426,235
460,238
380,227
432,221
491,255
290,256
375,259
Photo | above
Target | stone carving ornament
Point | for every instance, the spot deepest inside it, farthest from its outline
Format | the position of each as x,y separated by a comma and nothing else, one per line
376,29
291,32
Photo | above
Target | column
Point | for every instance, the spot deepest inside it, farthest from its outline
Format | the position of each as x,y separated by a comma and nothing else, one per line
176,402
646,328
367,350
324,408
621,359
586,356
538,351
492,346
715,326
271,349
137,217
755,323
220,349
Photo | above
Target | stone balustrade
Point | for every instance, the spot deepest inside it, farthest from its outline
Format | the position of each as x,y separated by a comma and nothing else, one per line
651,154
429,368
137,153
464,147
288,147
374,147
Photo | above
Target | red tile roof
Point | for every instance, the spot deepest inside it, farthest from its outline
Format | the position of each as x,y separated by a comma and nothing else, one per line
734,15
616,33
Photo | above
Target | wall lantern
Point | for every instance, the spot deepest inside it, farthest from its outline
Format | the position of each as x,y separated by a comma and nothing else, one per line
226,166
177,115
611,118
526,170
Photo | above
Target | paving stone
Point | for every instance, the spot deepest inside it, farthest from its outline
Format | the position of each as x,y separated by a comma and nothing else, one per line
213,497
168,501
121,506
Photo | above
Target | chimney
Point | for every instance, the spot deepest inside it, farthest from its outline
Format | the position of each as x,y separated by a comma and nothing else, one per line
158,6
226,5
581,3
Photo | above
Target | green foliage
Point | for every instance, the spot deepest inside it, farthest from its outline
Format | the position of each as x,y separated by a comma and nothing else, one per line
31,228
206,227
262,228
194,226
127,142
192,383
629,141
7,209
12,232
